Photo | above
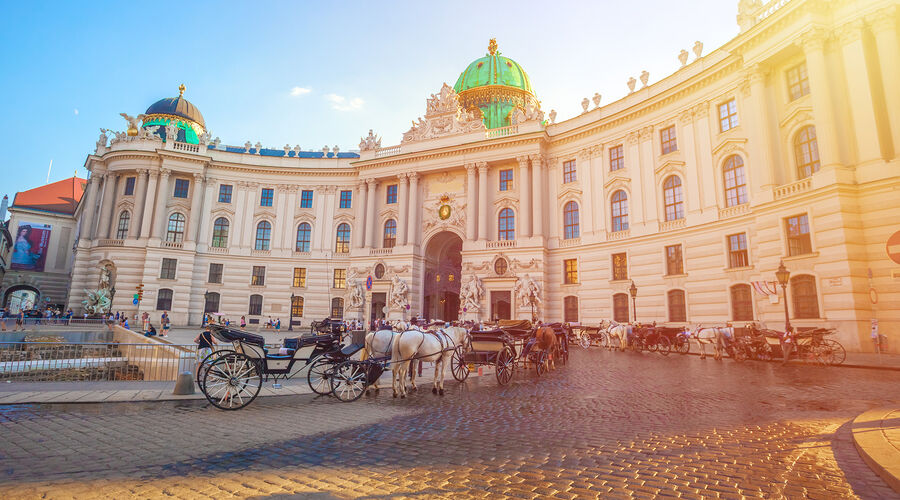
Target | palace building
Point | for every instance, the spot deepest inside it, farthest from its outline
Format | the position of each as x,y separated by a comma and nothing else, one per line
780,146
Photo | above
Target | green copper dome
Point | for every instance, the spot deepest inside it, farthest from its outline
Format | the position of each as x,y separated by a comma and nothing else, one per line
495,85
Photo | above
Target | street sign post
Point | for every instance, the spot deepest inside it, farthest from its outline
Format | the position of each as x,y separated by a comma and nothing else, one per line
893,247
134,301
369,282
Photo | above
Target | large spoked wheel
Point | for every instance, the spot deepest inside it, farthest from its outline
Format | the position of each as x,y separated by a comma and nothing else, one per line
205,363
540,360
663,346
349,380
830,352
584,340
651,345
318,376
505,364
232,381
683,345
738,353
458,365
603,340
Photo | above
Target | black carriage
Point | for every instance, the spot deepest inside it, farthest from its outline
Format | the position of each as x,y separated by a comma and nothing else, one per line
495,348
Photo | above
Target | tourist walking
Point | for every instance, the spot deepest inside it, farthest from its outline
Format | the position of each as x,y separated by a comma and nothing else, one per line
3,315
243,322
205,343
787,344
164,322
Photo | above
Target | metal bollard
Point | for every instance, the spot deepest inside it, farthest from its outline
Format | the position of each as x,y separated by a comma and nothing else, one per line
184,384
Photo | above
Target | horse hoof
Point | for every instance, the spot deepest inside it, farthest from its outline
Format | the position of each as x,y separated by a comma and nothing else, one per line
403,396
441,392
433,390
376,390
395,394
367,392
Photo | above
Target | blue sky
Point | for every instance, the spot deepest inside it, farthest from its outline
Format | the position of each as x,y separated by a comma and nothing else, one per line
70,68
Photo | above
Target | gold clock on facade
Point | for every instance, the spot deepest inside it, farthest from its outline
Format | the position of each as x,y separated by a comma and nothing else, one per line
444,212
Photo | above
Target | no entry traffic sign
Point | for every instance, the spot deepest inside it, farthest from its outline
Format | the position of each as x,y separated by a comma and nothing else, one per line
893,247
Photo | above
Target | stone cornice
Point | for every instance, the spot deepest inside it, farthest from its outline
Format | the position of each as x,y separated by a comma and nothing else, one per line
454,151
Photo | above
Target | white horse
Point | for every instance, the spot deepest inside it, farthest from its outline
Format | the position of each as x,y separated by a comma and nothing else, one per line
422,346
617,333
713,336
379,344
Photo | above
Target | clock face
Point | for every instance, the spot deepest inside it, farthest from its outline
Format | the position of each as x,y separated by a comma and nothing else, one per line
444,212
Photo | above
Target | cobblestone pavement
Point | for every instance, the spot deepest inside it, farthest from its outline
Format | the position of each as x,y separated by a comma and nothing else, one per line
608,424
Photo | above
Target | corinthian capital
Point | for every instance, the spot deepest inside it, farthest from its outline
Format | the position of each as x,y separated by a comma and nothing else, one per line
813,40
523,160
851,32
413,176
536,158
470,168
165,172
883,19
403,177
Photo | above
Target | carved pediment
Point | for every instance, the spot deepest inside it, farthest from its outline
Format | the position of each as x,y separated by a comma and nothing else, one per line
800,114
569,191
617,182
669,167
443,116
506,201
729,147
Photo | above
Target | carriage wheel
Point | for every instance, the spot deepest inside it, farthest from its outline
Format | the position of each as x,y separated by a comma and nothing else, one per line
764,353
506,364
562,351
663,346
584,340
651,346
603,340
737,353
349,381
232,381
458,365
539,360
830,352
683,345
318,375
205,363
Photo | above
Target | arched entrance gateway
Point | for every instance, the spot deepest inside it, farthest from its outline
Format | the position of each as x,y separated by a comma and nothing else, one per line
21,298
443,266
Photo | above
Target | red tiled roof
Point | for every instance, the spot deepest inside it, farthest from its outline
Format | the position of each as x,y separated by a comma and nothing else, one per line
60,197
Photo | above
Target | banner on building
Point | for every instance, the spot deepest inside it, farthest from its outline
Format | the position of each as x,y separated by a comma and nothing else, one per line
765,287
30,247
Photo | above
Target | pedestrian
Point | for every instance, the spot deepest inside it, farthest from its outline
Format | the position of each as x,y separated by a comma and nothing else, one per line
787,344
164,322
243,322
205,343
277,324
20,320
150,331
125,323
3,315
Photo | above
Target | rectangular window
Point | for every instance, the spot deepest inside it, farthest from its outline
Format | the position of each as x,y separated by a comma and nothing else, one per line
167,271
299,277
620,266
391,194
306,198
737,251
297,306
129,186
340,279
225,193
728,118
570,271
799,242
674,262
616,158
346,199
798,81
164,299
255,306
569,171
258,277
265,199
181,188
215,273
506,180
667,139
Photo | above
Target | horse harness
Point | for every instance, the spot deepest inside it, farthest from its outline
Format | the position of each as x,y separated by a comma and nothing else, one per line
442,337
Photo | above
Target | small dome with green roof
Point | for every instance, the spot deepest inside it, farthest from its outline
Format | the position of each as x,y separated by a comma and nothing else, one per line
495,85
187,117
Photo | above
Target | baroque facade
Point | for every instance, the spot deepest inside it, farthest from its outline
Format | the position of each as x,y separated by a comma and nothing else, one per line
780,146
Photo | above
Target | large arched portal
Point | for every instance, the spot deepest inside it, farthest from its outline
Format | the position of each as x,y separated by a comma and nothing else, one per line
21,298
443,266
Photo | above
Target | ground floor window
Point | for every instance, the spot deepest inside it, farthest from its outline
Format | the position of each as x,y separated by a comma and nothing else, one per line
255,305
620,308
164,299
212,303
337,308
296,306
570,309
806,301
741,303
677,309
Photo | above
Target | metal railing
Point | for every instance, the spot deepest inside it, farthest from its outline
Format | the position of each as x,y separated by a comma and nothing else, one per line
10,322
94,362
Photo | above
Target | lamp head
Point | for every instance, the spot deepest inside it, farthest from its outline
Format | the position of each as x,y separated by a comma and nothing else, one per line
782,274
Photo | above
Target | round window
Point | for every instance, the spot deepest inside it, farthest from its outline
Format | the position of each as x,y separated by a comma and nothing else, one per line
379,271
500,266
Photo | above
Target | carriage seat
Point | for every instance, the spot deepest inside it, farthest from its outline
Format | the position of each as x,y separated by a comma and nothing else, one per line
351,349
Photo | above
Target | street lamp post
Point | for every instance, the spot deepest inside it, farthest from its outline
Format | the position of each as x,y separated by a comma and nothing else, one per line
783,275
291,321
633,291
205,305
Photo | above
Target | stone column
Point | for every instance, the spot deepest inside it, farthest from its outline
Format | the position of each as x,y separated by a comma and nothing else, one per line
884,28
206,212
287,223
585,174
109,192
471,211
537,202
482,201
239,200
193,228
90,202
371,217
862,102
248,232
813,43
359,233
140,199
761,167
162,200
147,215
691,182
412,217
523,185
402,209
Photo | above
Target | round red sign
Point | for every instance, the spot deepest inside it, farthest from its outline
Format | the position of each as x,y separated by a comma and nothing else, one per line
893,247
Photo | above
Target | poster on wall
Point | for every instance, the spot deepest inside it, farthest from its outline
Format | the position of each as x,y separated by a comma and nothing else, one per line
30,247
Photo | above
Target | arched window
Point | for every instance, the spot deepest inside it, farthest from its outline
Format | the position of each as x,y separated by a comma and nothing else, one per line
164,299
211,304
806,150
677,309
570,309
342,240
735,181
570,221
122,228
806,301
297,306
255,305
220,233
506,225
304,238
337,308
263,235
390,233
175,231
620,308
619,210
741,303
673,198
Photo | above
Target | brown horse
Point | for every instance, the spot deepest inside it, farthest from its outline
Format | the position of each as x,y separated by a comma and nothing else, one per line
545,340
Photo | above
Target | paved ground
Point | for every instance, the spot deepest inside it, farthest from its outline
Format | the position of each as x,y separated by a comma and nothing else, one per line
609,424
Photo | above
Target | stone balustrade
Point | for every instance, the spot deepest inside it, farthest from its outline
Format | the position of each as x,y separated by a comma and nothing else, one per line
501,244
725,213
172,244
107,242
792,188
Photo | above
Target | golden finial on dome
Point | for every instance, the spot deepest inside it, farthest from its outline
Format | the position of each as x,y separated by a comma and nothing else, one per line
492,46
181,90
